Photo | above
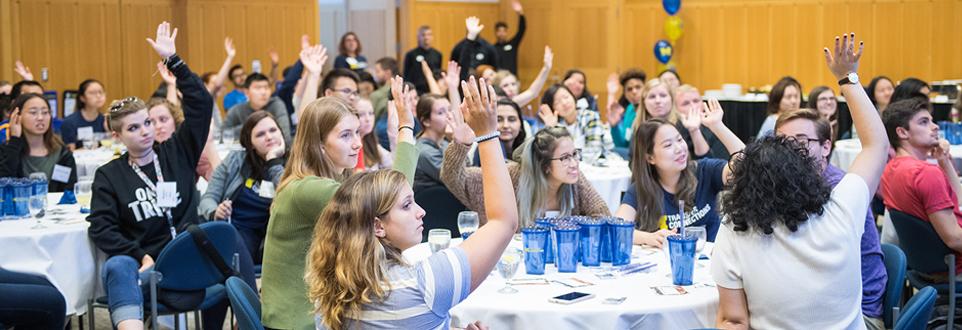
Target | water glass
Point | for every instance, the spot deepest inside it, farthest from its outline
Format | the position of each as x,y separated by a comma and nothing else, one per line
534,240
701,233
82,191
467,223
508,266
590,242
549,249
681,251
622,239
439,239
567,247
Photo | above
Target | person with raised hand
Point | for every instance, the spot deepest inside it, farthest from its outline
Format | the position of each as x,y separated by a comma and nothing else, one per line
425,54
377,218
128,219
786,225
323,155
33,147
473,50
508,82
664,173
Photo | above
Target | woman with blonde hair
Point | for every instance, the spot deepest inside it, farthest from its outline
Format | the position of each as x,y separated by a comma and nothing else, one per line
356,275
322,156
508,82
658,102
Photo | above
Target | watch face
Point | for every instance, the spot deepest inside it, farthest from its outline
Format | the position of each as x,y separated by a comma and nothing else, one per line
853,77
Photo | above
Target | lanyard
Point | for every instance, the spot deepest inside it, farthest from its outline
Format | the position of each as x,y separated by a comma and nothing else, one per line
153,186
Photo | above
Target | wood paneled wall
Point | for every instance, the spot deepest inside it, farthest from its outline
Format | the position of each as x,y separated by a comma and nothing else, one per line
751,42
104,39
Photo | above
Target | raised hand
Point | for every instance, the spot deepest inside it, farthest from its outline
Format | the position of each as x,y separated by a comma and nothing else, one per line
615,113
516,6
313,58
15,127
711,113
229,47
305,41
166,75
275,57
474,26
23,71
844,59
452,76
548,116
613,85
691,118
548,57
460,131
164,45
481,101
398,91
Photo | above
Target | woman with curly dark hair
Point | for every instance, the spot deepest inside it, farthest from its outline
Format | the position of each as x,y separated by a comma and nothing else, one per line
786,226
664,173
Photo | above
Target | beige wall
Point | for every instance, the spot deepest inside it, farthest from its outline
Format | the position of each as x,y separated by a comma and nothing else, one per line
104,39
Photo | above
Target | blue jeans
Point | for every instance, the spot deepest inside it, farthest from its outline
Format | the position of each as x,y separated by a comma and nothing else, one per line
253,238
127,288
30,302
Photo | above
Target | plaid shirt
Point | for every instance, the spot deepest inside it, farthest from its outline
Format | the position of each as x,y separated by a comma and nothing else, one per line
588,127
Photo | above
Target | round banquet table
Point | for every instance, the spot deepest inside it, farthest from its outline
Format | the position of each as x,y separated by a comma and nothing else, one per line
643,308
61,252
610,181
845,151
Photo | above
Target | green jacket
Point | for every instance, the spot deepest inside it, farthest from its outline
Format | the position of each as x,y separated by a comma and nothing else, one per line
289,233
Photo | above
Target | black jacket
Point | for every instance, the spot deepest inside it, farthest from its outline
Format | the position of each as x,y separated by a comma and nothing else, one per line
13,153
472,53
508,51
412,67
124,219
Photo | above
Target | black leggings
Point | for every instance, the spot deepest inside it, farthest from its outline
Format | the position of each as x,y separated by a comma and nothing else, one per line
30,302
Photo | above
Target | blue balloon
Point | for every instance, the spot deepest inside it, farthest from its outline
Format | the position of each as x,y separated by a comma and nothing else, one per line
663,51
671,6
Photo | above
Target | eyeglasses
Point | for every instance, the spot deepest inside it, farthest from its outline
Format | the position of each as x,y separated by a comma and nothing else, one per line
346,91
802,139
124,102
568,158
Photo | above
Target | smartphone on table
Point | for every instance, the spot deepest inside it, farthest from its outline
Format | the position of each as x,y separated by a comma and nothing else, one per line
571,298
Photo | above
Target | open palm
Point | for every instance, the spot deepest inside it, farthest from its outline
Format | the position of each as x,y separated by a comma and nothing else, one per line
164,44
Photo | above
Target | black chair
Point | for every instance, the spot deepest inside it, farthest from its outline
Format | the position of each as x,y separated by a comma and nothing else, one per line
441,209
926,254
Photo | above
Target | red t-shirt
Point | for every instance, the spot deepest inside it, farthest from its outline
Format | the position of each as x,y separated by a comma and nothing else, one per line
918,188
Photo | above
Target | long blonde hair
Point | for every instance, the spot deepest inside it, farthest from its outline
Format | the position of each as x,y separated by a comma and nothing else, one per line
642,112
344,264
307,157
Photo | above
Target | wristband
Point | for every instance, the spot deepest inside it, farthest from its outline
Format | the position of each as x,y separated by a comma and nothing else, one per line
173,61
405,126
486,137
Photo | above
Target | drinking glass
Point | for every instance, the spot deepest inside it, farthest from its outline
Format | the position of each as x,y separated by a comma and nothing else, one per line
228,136
83,193
439,239
507,267
467,223
701,233
37,204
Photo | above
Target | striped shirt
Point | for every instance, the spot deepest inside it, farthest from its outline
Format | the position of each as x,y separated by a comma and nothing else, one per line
419,296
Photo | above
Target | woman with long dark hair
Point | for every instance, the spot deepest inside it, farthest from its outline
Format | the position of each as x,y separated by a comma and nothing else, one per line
577,83
33,147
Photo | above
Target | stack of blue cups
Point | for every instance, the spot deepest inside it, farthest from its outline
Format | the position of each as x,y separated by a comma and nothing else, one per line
6,193
590,241
22,190
566,238
606,239
549,249
535,241
622,237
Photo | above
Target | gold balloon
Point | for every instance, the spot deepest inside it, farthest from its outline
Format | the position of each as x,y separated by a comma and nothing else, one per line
673,28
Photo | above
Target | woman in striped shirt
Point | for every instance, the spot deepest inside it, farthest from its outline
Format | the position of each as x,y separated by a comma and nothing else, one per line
356,275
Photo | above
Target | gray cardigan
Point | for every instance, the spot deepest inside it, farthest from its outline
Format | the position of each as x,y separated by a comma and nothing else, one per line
237,115
228,177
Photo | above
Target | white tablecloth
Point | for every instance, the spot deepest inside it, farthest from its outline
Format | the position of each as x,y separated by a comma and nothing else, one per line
609,181
61,252
846,150
643,308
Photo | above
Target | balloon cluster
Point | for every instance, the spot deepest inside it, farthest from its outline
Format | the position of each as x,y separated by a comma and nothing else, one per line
673,30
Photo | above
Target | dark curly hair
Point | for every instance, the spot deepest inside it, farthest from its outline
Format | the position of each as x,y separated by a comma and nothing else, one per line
774,181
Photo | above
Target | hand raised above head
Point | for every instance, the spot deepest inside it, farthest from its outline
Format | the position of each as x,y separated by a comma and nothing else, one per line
844,58
229,47
164,44
481,101
712,112
15,127
548,116
313,58
398,92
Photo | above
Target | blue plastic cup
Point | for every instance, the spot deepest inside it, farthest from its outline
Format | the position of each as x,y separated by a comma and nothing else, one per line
40,187
534,239
549,249
22,190
553,236
567,247
681,252
622,234
6,194
605,240
591,242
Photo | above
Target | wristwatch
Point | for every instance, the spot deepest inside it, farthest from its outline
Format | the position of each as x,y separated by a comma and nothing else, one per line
851,78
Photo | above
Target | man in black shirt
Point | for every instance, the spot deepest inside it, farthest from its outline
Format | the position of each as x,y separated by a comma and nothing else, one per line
423,52
473,50
508,48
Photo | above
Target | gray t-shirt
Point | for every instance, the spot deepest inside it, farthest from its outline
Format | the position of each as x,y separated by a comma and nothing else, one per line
43,164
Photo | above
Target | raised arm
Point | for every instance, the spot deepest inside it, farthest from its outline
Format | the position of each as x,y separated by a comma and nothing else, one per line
869,162
313,59
171,82
429,78
532,92
461,180
405,154
522,24
451,78
23,71
485,246
691,120
712,115
218,80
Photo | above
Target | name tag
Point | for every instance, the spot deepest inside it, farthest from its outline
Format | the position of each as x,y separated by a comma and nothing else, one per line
60,173
508,48
167,194
266,189
85,133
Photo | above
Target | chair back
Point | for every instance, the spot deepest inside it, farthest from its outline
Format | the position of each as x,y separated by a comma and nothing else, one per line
441,210
917,311
895,265
185,267
924,250
245,303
